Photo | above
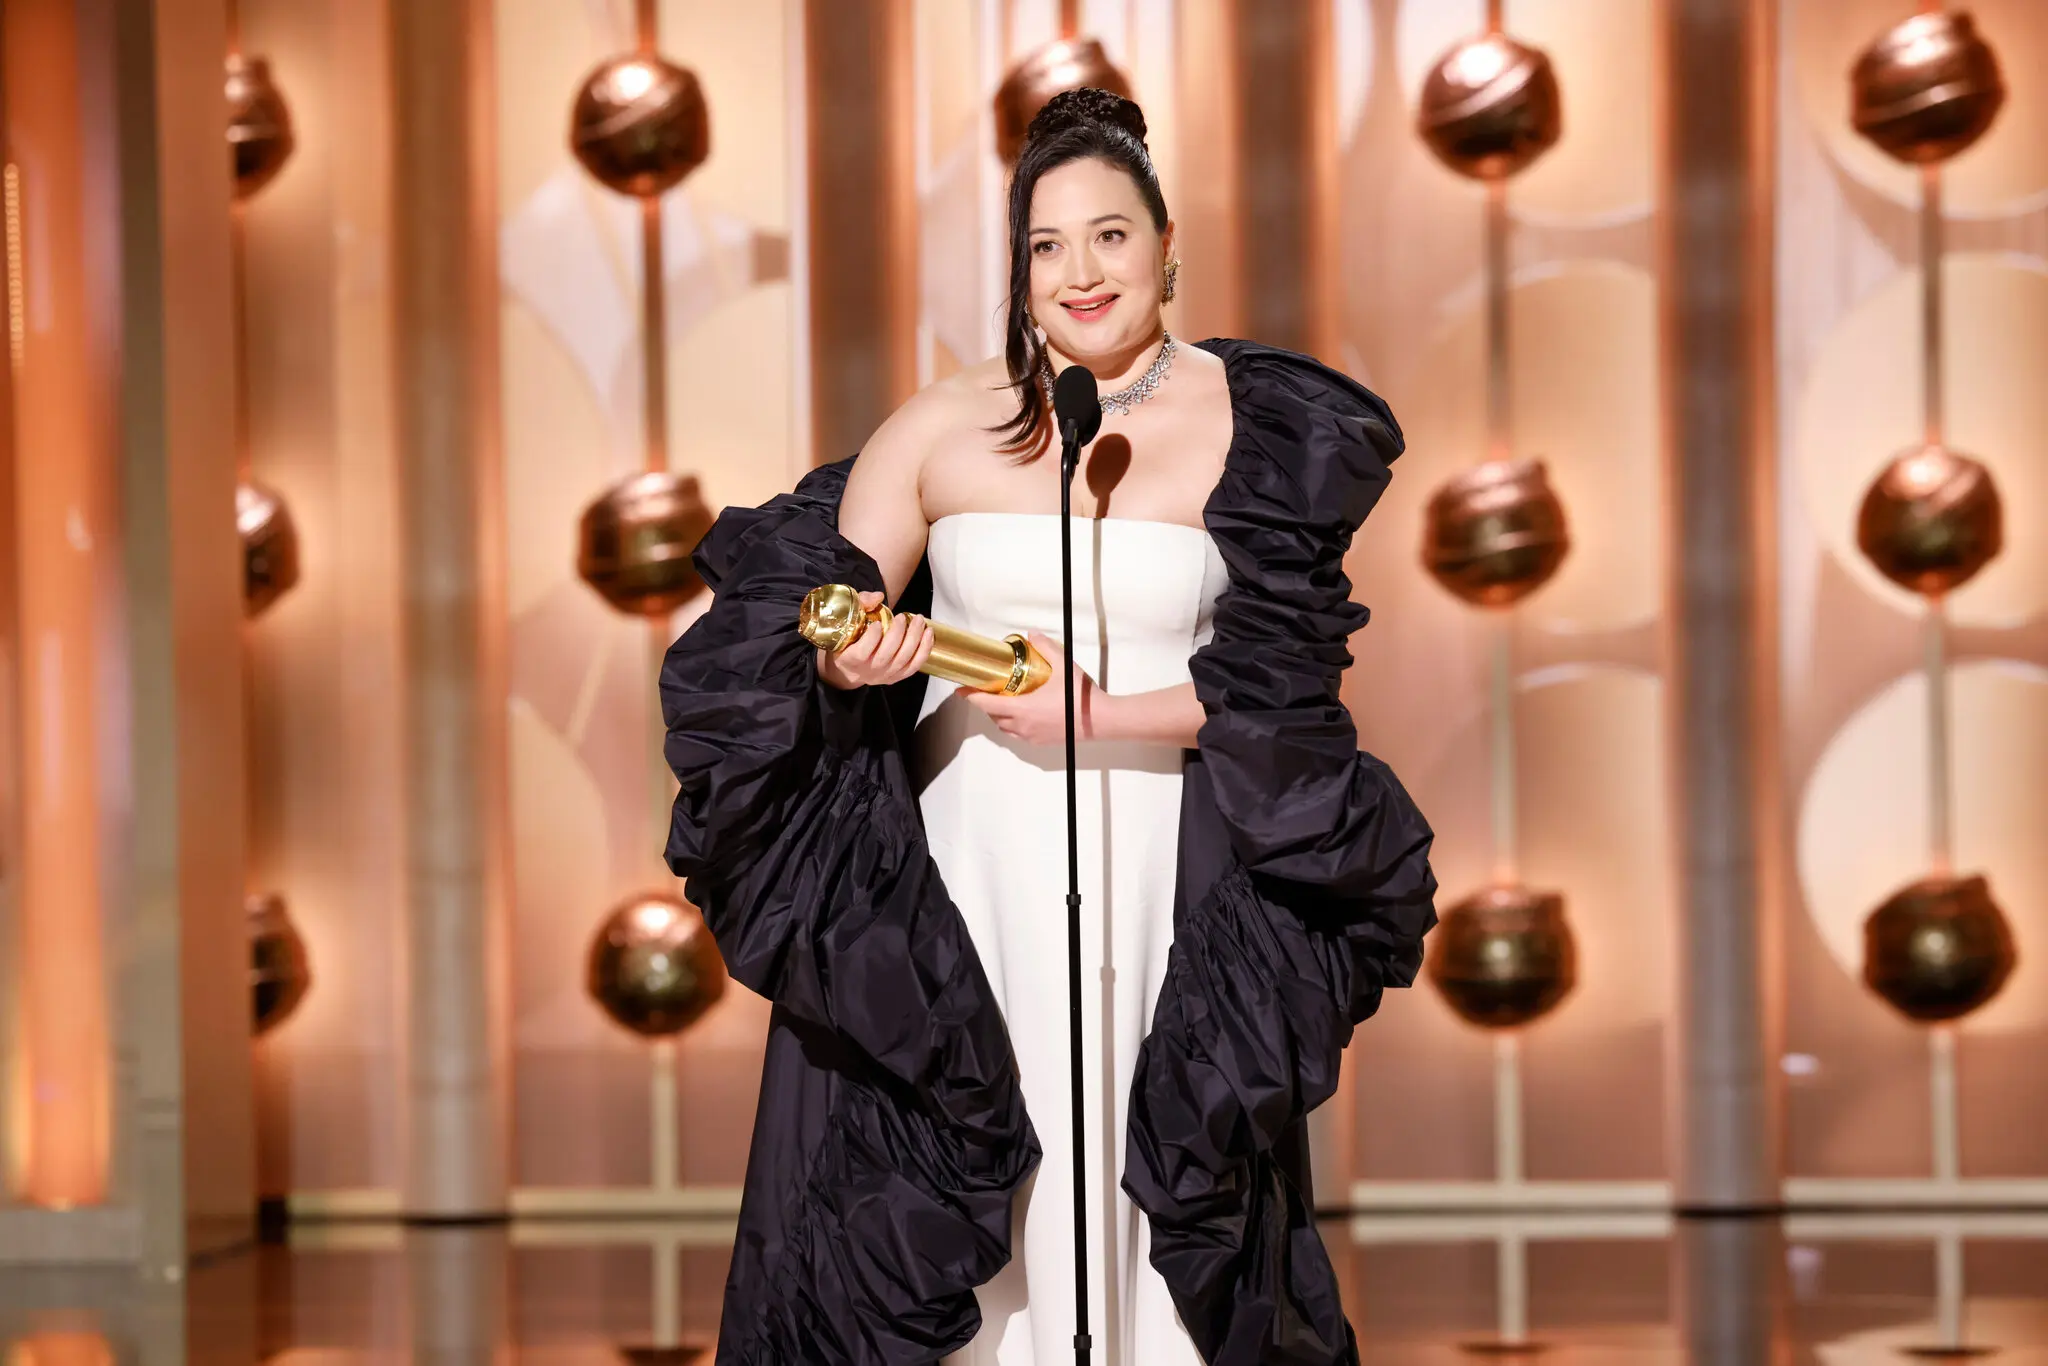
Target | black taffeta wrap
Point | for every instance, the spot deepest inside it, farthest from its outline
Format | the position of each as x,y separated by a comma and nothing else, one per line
890,1138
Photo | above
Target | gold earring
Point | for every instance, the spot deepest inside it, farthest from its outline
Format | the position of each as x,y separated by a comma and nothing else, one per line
1172,281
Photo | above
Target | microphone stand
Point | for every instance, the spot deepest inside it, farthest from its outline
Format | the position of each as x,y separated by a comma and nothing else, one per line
1070,457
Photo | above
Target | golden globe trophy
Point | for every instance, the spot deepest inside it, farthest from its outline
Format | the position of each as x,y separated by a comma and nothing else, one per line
831,618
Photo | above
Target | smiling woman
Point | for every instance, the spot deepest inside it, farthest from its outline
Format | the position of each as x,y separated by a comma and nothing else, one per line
878,852
1091,251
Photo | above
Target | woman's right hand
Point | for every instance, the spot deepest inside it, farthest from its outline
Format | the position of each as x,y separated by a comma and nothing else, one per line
879,656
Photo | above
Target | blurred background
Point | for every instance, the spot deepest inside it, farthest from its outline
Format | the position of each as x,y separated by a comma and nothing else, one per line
349,472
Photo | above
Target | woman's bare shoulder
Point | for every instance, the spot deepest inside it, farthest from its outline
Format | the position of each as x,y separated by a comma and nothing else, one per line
976,396
939,415
930,424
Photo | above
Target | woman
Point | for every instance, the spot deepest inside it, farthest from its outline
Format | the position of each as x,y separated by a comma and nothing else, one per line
881,854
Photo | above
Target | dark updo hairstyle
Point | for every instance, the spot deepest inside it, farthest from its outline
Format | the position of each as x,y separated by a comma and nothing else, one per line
1074,125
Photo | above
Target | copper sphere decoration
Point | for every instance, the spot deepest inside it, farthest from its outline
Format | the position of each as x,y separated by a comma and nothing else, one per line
654,967
279,971
1927,89
634,543
259,124
1938,948
640,125
1504,957
1496,533
1931,520
1489,107
1062,65
270,546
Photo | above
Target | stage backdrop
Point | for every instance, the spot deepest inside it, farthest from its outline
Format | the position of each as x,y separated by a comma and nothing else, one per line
1368,251
1389,287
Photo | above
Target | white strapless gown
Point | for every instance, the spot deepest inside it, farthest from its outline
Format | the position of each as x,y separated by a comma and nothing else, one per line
995,813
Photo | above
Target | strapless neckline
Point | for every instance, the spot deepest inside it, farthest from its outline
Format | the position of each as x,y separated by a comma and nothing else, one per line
1090,521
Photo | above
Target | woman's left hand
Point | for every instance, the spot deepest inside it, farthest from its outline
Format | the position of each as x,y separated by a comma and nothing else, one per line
1039,717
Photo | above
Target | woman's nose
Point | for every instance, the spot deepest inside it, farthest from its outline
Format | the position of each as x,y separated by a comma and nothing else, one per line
1083,269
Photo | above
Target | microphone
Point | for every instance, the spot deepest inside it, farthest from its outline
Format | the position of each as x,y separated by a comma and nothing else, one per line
1078,411
1076,408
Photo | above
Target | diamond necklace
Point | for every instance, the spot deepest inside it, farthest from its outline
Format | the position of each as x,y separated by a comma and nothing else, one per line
1125,399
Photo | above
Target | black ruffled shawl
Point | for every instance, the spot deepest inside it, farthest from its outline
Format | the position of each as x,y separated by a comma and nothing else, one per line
891,1136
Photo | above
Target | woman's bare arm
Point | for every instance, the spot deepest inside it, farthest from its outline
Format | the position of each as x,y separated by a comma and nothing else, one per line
881,510
1164,715
882,513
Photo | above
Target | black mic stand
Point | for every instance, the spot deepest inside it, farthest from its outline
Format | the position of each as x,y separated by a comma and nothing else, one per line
1070,457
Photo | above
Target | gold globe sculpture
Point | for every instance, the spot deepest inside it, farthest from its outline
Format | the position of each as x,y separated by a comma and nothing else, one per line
259,124
1504,956
1495,533
634,543
270,546
1927,89
1938,948
1490,107
1062,65
1931,520
280,974
653,967
640,125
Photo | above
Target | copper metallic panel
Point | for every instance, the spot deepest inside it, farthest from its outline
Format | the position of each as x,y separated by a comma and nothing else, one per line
13,1096
1283,140
65,398
1209,231
326,829
862,268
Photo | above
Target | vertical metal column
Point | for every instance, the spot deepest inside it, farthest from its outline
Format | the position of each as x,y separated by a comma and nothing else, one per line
457,1160
1724,1111
1727,1287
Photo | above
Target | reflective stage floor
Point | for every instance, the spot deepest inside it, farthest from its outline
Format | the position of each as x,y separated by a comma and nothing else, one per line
1837,1290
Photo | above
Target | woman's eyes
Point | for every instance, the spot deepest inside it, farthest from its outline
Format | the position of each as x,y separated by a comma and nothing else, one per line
1108,236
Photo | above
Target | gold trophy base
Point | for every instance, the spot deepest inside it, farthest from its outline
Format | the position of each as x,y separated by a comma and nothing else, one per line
831,619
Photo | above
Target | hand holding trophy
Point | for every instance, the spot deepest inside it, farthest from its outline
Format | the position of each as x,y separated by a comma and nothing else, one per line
832,618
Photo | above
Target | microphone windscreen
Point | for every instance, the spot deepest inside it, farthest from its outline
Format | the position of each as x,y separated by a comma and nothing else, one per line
1074,400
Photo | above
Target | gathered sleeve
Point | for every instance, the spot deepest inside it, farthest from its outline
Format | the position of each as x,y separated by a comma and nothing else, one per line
1305,888
1318,824
798,835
